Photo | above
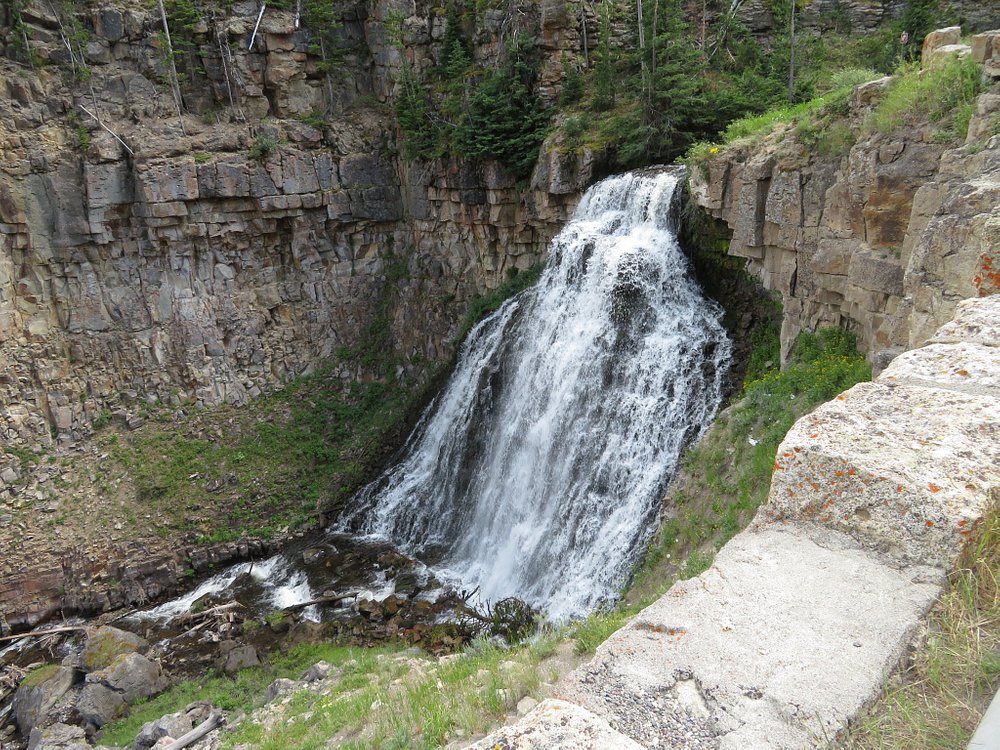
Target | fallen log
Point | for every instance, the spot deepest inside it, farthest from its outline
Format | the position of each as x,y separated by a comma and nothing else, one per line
39,633
320,600
212,722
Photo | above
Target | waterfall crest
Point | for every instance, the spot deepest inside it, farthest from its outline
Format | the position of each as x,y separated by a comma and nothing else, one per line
538,470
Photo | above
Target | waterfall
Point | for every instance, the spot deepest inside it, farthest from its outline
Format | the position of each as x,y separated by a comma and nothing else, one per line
538,470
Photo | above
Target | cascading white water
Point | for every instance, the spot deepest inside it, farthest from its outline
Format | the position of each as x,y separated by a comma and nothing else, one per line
537,471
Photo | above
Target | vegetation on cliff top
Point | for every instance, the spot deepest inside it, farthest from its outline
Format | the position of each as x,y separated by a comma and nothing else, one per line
944,95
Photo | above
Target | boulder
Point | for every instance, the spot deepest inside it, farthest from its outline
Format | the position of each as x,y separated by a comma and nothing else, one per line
105,644
38,694
58,737
98,704
172,725
937,39
235,658
130,677
279,687
317,672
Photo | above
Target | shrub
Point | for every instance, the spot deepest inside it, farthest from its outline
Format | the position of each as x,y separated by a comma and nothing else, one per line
265,145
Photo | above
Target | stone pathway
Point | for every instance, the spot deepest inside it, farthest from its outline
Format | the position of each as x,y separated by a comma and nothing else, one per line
802,617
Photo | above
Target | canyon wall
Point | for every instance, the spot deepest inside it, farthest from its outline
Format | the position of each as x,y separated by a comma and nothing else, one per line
207,258
885,238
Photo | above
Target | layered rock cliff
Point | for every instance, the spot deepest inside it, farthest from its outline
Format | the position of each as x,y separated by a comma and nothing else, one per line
209,257
886,238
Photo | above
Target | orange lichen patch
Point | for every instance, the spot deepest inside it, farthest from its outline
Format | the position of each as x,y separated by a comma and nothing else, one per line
899,488
929,523
838,473
815,486
851,472
841,397
963,522
814,435
964,533
777,466
798,449
788,454
964,373
988,280
933,487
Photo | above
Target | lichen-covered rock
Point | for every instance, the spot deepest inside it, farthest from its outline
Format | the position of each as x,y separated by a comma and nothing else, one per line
38,693
58,737
108,691
105,644
905,464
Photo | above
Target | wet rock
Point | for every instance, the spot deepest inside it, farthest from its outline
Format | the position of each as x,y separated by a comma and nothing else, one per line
105,644
38,693
313,555
58,737
171,725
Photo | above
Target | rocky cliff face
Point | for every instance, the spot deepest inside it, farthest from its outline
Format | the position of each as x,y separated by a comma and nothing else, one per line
886,239
209,257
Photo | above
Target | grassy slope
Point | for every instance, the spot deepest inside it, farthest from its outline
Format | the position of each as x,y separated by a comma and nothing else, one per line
378,697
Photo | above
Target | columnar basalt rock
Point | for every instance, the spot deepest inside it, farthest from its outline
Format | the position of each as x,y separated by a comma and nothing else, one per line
885,239
192,271
213,258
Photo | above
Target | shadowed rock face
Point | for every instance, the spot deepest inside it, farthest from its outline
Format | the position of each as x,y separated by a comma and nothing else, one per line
885,239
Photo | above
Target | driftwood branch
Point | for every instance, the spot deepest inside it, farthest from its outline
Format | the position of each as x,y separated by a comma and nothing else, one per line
320,600
113,133
206,613
260,15
212,722
37,633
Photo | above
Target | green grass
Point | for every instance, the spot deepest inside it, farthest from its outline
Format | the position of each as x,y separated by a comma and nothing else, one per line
408,700
937,703
593,630
227,471
944,94
243,692
483,305
727,475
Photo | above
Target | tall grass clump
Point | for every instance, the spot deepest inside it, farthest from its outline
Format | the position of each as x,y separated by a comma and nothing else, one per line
945,94
937,702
